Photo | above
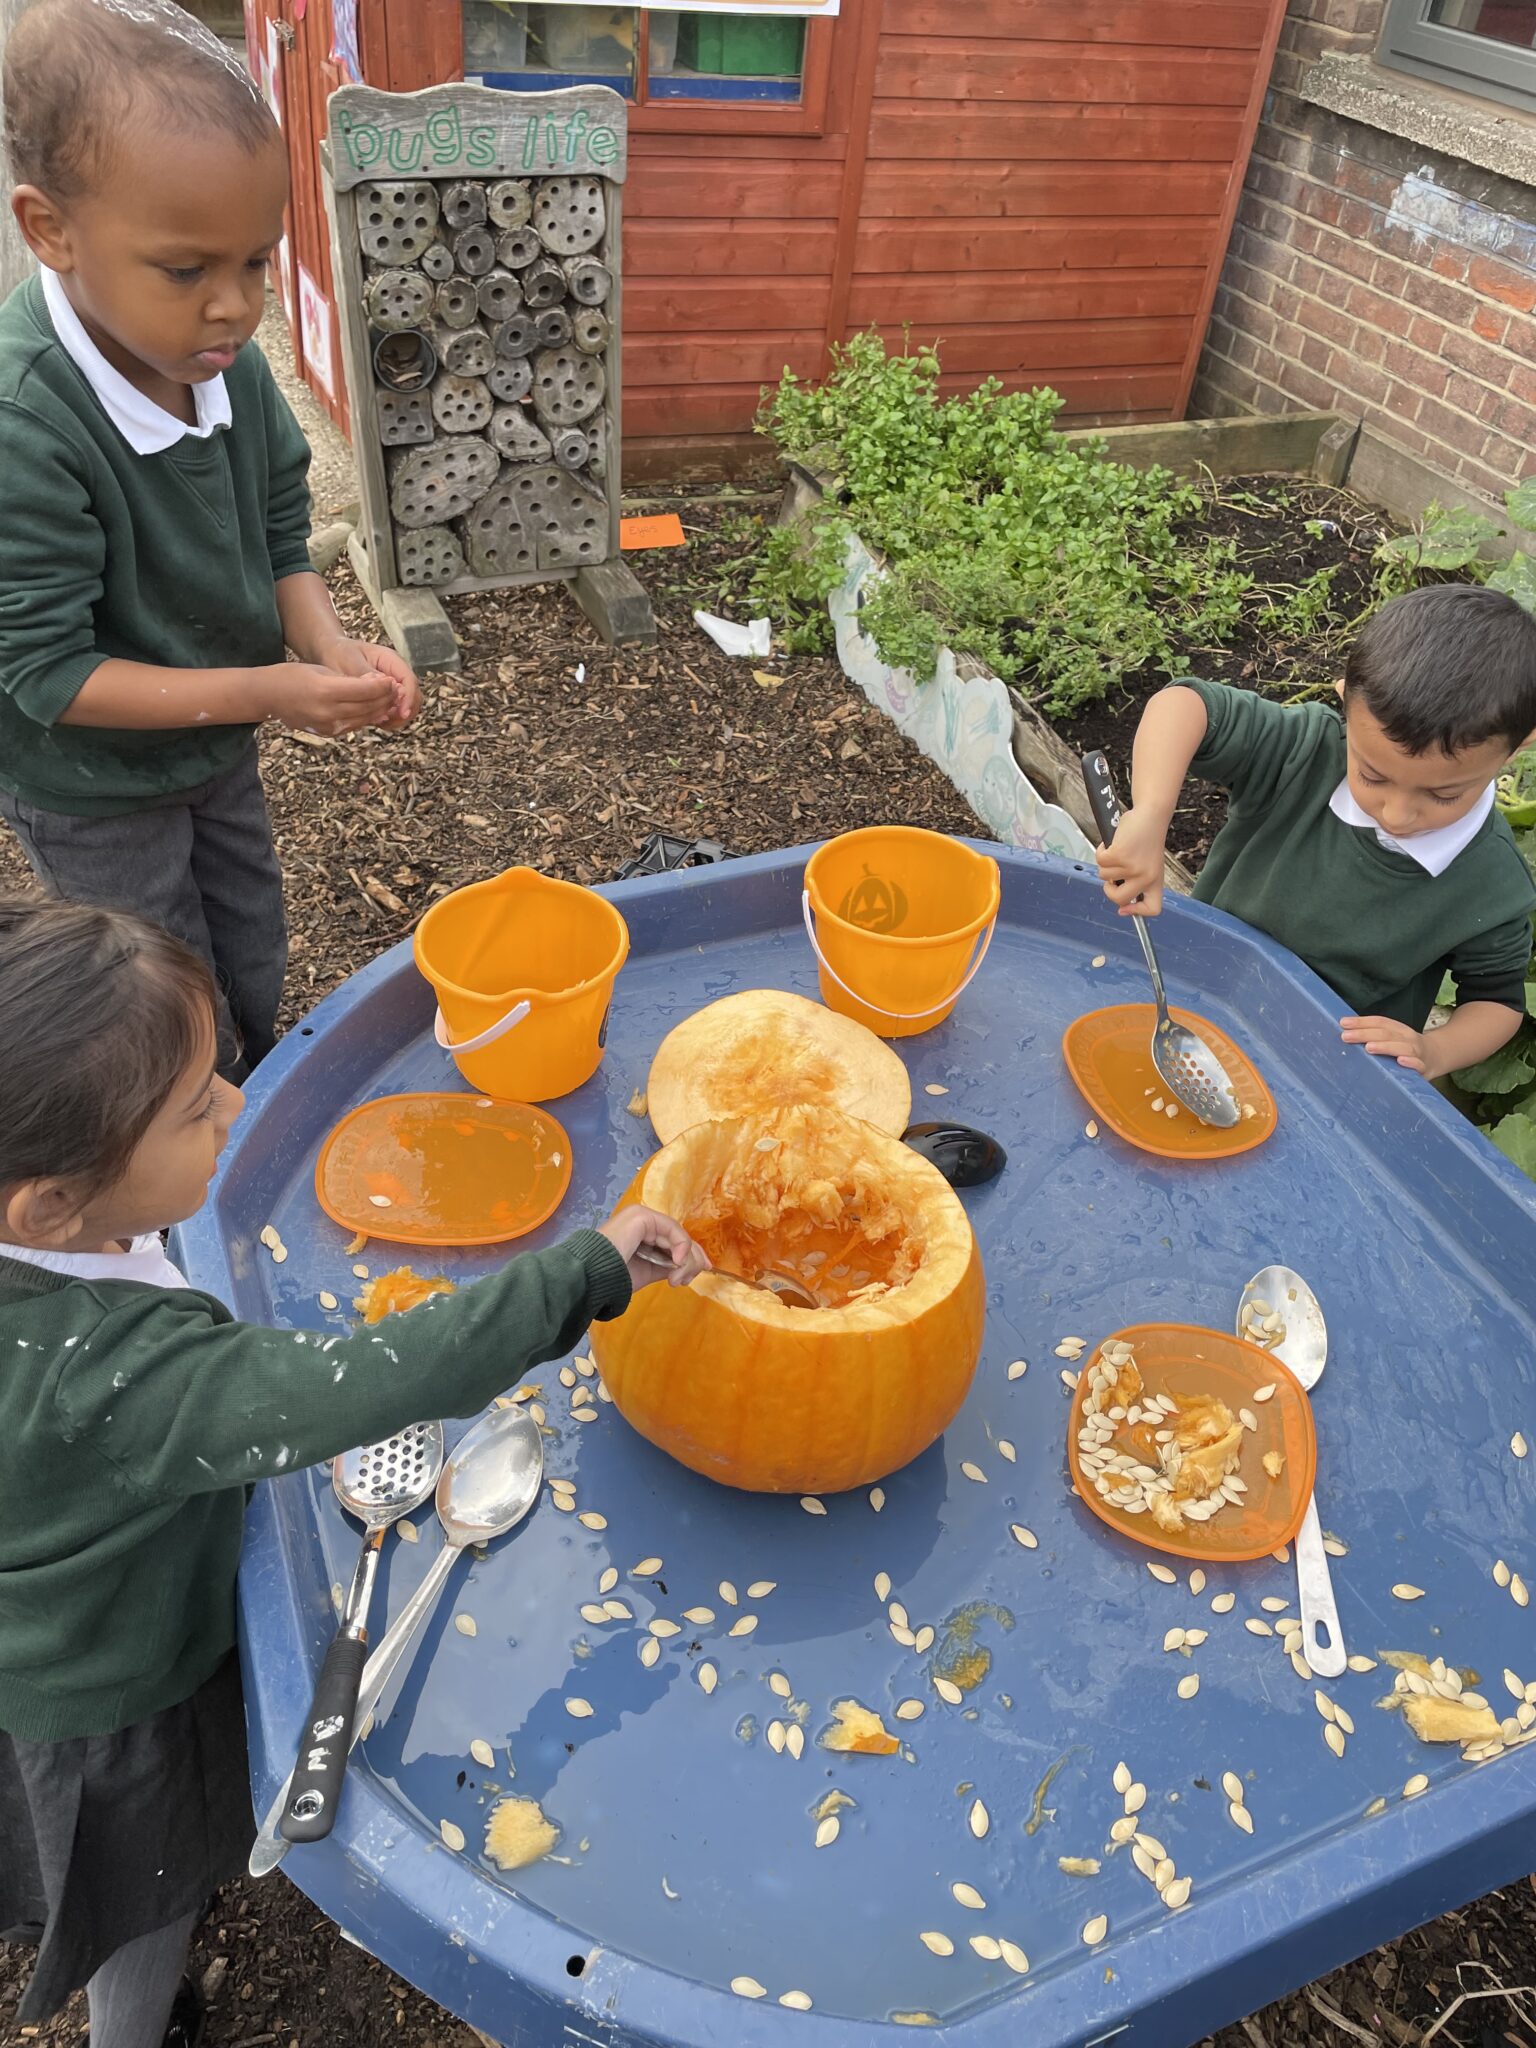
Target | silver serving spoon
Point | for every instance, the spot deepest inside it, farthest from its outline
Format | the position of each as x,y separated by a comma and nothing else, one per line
378,1484
1302,1344
1184,1061
487,1486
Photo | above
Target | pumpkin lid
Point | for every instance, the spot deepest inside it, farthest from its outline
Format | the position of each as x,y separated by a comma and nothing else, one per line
764,1050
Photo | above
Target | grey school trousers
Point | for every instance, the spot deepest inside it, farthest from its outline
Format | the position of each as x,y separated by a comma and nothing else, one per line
201,865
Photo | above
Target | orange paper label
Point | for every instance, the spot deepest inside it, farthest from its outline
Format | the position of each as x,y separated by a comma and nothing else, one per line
662,530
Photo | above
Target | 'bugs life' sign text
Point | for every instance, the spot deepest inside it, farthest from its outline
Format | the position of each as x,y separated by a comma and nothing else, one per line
467,131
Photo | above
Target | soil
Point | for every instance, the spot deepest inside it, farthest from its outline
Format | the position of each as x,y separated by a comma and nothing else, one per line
550,749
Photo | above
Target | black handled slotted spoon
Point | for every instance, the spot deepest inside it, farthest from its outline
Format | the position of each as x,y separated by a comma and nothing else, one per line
1185,1063
378,1483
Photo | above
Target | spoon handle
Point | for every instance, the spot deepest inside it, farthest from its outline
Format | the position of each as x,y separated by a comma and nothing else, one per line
1322,1638
1104,802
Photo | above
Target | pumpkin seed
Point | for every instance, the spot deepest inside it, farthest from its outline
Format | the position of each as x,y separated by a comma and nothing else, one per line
407,1532
794,1740
797,2001
1123,1830
948,1691
483,1753
979,1820
934,1088
701,1617
775,1734
1501,1573
565,1502
974,1472
1342,1717
1232,1785
1097,960
882,1586
360,1272
1188,1687
1223,1603
1014,1956
1273,1604
1255,1627
579,1710
899,1614
647,1568
1300,1665
1026,1537
877,1498
1069,1379
1194,1637
748,1987
812,1505
327,1300
1517,1591
1359,1663
1403,1591
465,1624
968,1896
989,1950
1136,1798
452,1836
1240,1817
1518,1444
1163,1574
1197,1582
1335,1546
760,1589
618,1610
1090,1130
1416,1784
1177,1894
594,1612
1324,1705
1019,1367
1174,1639
591,1520
1266,1392
567,1377
728,1593
1376,1806
923,1641
937,1944
709,1678
1144,1861
1164,1874
650,1651
1096,1929
1006,1450
1122,1778
1333,1735
664,1628
1153,1847
910,1710
901,1635
744,1626
779,1684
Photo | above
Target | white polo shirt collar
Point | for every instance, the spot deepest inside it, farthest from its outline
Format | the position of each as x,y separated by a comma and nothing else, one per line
1434,851
147,428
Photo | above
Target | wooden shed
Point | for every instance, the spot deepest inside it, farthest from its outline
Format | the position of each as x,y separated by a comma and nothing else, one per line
1045,187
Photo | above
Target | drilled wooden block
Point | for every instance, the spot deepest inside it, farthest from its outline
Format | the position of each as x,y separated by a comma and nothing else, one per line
427,555
464,203
568,386
404,362
597,446
500,295
570,214
510,379
588,281
437,261
396,220
517,336
457,302
496,543
404,418
510,203
517,435
570,447
397,299
590,330
474,251
567,518
440,482
554,327
467,353
462,405
519,248
543,285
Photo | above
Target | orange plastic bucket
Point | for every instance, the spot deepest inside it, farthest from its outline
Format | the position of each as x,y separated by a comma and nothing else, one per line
524,968
900,921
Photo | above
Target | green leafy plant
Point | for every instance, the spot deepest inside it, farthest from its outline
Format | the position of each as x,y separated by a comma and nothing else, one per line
1453,544
1060,570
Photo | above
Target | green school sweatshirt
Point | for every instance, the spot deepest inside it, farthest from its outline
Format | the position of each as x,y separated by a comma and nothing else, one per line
169,559
133,1418
1378,929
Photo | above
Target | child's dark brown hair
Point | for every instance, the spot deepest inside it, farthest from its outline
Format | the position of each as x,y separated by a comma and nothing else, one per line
101,1015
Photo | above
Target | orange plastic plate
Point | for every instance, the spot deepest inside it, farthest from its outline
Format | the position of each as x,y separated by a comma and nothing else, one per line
443,1169
1181,1360
1109,1055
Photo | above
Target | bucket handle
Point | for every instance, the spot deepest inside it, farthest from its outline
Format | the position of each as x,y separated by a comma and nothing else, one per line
499,1029
901,1016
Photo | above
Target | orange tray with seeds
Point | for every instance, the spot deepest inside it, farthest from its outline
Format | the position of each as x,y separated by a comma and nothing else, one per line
1109,1055
1197,1369
443,1169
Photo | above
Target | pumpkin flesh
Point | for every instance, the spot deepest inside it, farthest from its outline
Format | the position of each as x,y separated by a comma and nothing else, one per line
739,1382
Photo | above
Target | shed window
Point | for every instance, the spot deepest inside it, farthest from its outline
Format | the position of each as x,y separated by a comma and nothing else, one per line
651,54
1487,47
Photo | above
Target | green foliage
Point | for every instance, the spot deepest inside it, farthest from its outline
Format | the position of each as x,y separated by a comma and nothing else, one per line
1304,612
1060,570
1453,544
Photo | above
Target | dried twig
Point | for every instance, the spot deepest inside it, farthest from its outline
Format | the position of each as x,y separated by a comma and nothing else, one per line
1519,1991
1335,2018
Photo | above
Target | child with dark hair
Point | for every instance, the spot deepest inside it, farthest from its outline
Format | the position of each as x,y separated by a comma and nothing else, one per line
153,559
134,1413
1370,845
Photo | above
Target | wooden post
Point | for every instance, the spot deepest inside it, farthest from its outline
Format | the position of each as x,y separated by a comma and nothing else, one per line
15,257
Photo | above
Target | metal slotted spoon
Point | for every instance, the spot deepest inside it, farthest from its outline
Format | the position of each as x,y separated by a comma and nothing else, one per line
1185,1063
378,1483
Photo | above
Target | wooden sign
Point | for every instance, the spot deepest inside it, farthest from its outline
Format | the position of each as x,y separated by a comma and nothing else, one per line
473,131
820,8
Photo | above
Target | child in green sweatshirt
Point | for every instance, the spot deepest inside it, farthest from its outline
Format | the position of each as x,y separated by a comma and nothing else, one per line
1370,845
153,558
134,1414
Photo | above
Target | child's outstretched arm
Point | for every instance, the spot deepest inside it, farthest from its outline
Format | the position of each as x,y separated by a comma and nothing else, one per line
1167,740
1473,1032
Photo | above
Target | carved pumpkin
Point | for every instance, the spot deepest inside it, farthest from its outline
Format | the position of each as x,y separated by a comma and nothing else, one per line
836,1337
765,1050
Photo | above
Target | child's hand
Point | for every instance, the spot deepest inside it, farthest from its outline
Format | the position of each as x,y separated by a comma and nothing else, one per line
654,1248
310,698
1391,1040
364,657
1131,867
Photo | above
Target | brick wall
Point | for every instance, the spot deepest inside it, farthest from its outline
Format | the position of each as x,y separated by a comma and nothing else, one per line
1373,276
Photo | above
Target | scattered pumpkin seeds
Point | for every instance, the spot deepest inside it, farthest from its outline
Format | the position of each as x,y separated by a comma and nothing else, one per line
910,1710
1517,1591
744,1625
618,1610
327,1300
1197,1582
1096,1929
775,1734
779,1684
1090,1129
482,1753
1335,1546
1403,1591
1014,1956
1136,1798
1026,1538
1240,1817
1188,1687
1518,1444
647,1568
794,1740
1273,1604
967,1895
1223,1603
812,1505
407,1532
1006,1450
608,1581
1164,1574
1177,1894
1124,1830
1501,1573
937,1944
934,1088
979,1820
591,1520
1333,1735
664,1628
797,2001
748,1987
1416,1784
701,1617
973,1472
1122,1779
1255,1627
759,1589
923,1641
987,1948
877,1498
709,1678
1018,1368
650,1652
948,1691
1360,1663
452,1836
579,1710
827,1831
882,1586
594,1612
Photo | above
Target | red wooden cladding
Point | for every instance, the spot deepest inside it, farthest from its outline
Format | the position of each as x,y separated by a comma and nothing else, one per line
1041,185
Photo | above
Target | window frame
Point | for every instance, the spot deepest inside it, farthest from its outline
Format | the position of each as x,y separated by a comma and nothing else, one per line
1478,65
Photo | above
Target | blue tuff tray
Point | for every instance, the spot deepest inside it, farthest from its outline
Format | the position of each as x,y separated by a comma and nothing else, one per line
688,1854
